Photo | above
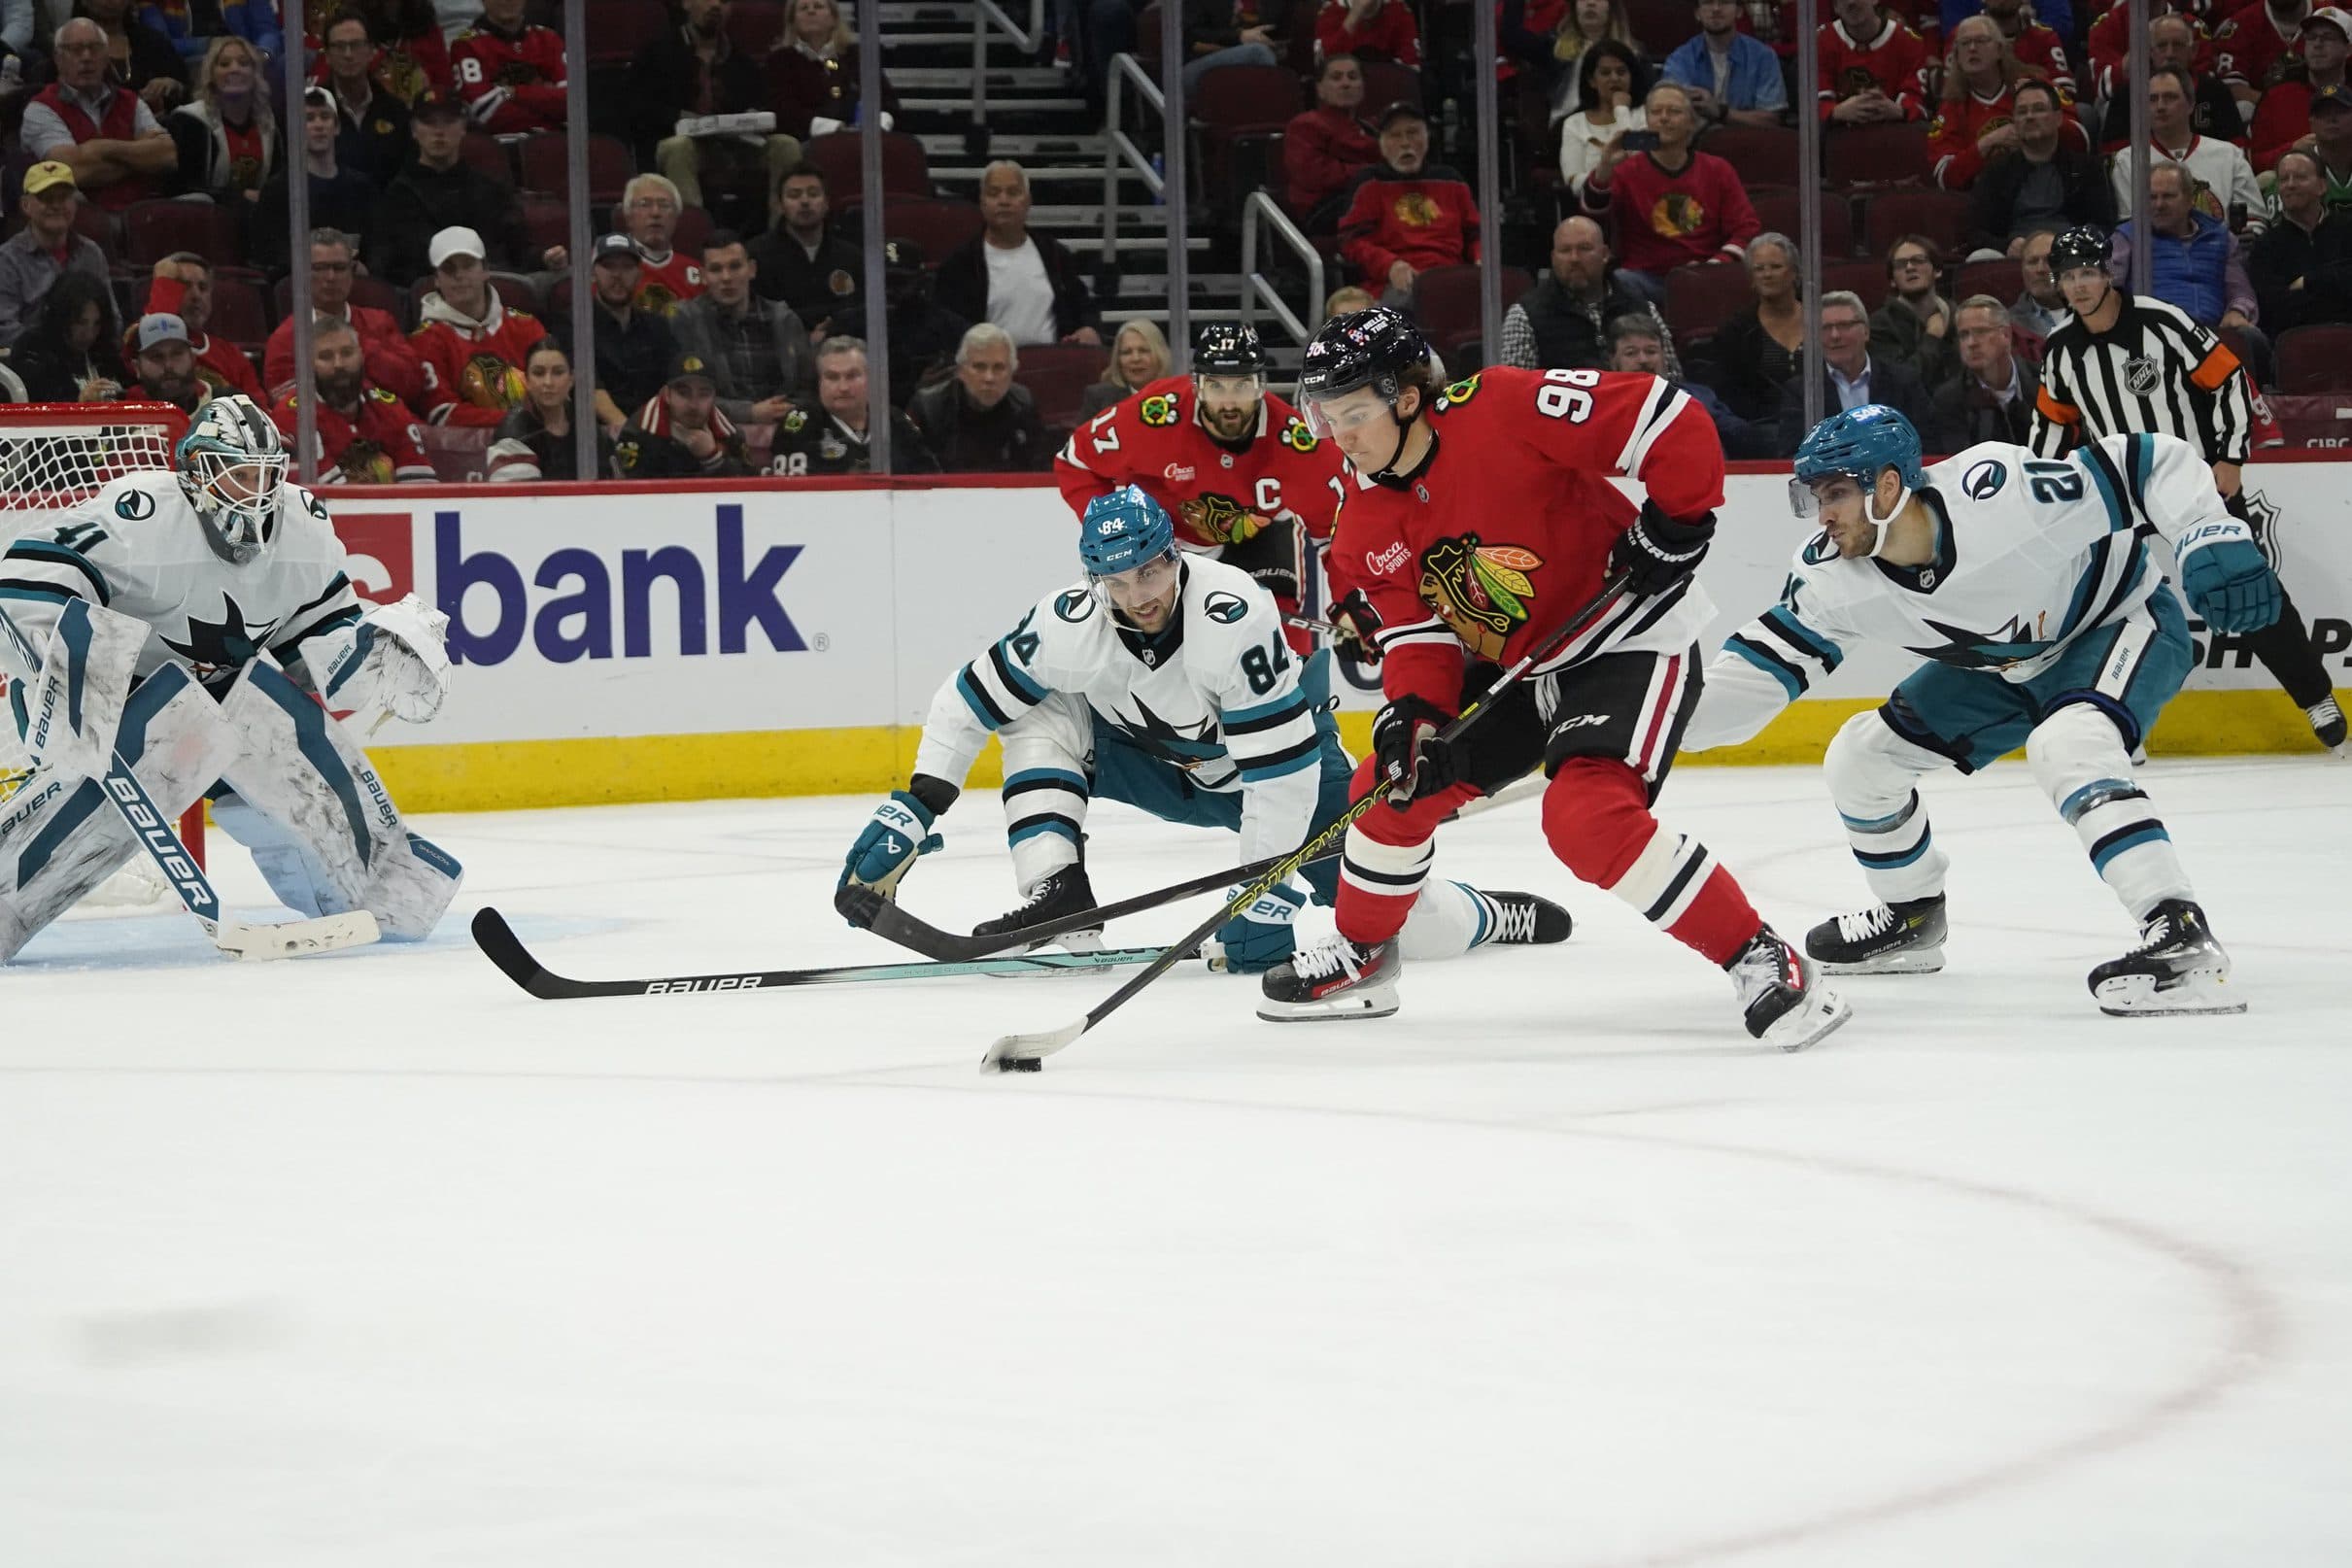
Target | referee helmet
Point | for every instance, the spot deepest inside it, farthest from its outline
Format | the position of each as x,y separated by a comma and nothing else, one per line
2085,245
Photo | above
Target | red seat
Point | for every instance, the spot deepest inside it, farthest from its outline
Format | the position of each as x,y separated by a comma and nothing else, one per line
623,27
371,293
1445,301
754,25
155,230
1867,279
240,313
1699,299
1663,26
1245,98
458,452
2315,359
1057,375
1942,216
1865,157
482,150
2312,419
1777,210
546,165
937,227
906,171
547,222
93,222
1764,155
1386,82
2004,280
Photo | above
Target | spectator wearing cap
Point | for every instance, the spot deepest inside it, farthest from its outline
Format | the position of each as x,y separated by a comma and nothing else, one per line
183,288
1914,328
833,438
980,421
1406,214
924,334
437,191
469,347
165,365
634,348
1733,79
2301,266
108,135
191,28
813,75
2331,141
2253,42
1563,323
801,263
2226,187
1992,397
2284,120
2045,180
389,355
1027,284
2193,260
680,433
1326,146
371,133
45,249
341,198
510,73
758,351
1369,30
689,72
667,274
1217,35
367,435
1673,205
228,134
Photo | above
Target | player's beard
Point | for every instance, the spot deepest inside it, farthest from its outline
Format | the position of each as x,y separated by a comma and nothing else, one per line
1229,426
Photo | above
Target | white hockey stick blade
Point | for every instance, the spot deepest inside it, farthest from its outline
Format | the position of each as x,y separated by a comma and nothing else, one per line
1010,1051
297,939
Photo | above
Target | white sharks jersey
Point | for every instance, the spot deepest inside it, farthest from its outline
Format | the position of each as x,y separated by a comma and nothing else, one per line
2030,553
138,548
1216,695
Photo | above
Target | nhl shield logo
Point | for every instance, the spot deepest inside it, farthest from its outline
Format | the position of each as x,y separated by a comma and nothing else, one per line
2141,376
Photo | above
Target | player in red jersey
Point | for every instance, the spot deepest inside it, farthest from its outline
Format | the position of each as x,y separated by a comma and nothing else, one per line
510,73
1233,464
1476,520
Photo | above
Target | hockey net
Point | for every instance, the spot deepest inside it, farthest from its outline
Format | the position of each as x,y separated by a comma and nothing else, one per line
52,457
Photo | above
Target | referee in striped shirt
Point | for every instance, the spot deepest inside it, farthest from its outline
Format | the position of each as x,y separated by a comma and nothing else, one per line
2129,363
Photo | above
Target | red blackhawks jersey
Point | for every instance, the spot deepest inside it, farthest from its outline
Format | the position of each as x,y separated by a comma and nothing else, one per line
664,286
1890,62
379,445
2249,47
1507,525
473,370
1953,135
510,83
2040,48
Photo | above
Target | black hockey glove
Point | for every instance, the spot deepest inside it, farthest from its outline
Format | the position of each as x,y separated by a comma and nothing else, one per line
1412,758
1660,552
1355,623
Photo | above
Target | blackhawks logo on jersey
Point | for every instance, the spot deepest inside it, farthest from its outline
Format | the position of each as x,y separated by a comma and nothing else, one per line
1159,411
1460,392
1297,437
490,382
1221,519
1479,590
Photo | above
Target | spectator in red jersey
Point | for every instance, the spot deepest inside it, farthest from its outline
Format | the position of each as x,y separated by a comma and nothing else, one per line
2043,181
183,288
2252,47
2174,40
1671,206
813,76
1329,145
406,55
1615,84
1974,122
107,135
470,347
2033,45
1408,215
2110,42
366,436
2283,122
666,277
392,359
510,73
1870,66
371,130
1369,30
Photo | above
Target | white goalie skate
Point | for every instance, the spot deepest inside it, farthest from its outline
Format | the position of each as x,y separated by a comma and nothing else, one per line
2178,967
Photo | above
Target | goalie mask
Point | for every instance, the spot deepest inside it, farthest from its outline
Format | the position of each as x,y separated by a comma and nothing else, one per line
232,465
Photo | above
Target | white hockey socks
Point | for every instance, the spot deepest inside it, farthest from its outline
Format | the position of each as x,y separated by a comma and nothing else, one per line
1447,921
2078,758
1871,772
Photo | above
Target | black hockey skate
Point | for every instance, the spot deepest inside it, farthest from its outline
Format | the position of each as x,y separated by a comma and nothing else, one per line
2178,967
1333,978
1066,891
1906,938
1782,998
2327,723
1521,919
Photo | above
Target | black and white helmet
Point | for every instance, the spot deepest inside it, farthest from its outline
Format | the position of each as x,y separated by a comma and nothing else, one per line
1228,348
232,465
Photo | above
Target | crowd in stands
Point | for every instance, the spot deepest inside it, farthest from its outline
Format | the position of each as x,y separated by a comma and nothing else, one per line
150,160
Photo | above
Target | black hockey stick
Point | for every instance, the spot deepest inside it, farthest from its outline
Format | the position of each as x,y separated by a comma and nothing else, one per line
503,947
1011,1051
862,906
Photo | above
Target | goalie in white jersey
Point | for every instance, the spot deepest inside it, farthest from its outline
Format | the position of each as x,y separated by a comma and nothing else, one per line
1163,680
181,620
2029,586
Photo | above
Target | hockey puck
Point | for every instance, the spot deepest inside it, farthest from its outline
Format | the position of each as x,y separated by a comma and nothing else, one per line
1024,1064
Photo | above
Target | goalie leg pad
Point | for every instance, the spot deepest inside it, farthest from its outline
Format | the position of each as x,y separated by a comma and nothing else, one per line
74,708
1873,774
1049,773
316,817
2078,758
59,838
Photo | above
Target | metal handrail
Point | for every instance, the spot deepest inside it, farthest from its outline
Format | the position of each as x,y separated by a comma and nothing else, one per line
985,13
1118,147
1255,282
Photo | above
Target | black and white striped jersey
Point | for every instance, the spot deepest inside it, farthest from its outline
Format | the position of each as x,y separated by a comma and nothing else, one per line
2155,371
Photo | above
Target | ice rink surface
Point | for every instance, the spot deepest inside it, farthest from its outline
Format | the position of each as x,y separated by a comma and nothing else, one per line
372,1261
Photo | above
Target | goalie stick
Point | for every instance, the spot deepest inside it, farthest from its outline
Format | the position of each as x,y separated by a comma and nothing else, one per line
1012,1054
292,939
503,947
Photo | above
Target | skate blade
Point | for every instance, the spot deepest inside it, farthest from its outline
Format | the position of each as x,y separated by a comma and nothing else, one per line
1824,1013
2137,996
1930,961
1352,1009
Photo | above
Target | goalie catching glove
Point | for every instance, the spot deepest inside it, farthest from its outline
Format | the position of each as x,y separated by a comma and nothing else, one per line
393,659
